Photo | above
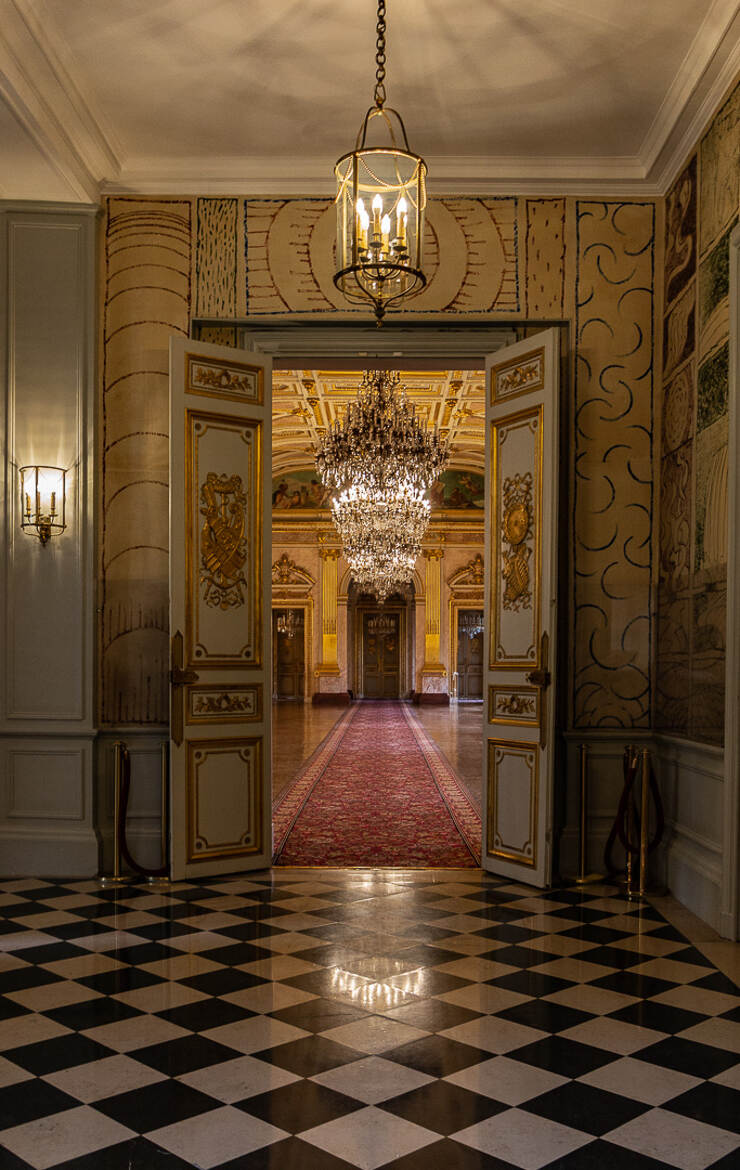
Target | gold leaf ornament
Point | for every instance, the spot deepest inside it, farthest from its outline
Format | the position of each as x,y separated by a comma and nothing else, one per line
222,541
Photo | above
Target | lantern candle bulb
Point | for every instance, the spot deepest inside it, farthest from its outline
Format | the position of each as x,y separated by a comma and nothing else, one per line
385,229
377,212
401,217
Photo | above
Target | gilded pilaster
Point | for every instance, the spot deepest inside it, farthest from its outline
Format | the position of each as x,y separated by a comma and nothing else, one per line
329,579
433,672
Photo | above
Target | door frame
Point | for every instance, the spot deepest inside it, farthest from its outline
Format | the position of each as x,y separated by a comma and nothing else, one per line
306,604
362,608
429,344
456,604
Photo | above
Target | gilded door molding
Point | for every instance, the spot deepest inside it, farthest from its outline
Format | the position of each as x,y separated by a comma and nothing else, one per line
224,472
513,801
220,582
516,529
521,587
224,785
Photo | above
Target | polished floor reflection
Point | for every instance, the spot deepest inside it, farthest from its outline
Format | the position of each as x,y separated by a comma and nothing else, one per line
331,1020
298,729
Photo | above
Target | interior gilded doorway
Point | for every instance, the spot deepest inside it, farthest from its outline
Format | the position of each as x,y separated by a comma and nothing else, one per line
381,642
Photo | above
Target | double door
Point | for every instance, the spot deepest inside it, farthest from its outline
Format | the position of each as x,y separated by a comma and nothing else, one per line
381,654
289,665
469,654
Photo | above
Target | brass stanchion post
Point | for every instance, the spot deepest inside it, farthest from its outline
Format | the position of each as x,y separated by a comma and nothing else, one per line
645,786
630,824
583,878
120,752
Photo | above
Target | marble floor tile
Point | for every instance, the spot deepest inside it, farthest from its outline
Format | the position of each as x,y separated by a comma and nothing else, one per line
546,1029
374,1034
103,1078
674,1140
63,1136
136,1032
373,1079
523,1140
369,1138
507,1080
640,1080
216,1137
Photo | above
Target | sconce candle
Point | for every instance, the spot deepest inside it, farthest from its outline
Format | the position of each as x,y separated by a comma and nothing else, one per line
46,487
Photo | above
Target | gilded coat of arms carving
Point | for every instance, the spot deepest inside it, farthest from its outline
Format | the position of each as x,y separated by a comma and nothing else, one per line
516,530
223,546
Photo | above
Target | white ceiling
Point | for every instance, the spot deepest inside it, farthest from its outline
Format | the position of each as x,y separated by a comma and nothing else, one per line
261,96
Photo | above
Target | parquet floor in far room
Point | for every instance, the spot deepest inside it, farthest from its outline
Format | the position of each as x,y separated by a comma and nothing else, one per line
330,1020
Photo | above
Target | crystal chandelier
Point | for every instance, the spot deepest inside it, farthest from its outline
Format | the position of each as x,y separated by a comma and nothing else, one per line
379,463
471,623
381,198
286,623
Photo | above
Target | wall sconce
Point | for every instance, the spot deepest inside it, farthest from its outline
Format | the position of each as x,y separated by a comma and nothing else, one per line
43,492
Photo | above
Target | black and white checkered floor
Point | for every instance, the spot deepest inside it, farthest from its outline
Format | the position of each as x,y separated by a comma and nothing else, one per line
322,1020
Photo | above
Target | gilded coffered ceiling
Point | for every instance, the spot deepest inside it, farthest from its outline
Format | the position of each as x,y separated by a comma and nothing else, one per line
306,402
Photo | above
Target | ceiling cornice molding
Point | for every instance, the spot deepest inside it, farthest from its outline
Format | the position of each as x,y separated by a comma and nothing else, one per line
695,66
38,85
697,113
283,177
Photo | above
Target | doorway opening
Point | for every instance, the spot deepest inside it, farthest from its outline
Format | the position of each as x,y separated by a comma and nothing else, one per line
428,650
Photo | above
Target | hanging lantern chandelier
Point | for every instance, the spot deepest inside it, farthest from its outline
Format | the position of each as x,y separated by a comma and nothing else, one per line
379,463
381,198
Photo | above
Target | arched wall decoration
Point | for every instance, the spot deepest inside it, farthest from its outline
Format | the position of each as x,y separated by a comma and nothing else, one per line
286,574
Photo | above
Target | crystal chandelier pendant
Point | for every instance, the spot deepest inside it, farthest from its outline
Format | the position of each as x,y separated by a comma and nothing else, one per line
379,463
381,200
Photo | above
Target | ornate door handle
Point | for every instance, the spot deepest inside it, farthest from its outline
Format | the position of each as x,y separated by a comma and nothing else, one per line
180,677
542,678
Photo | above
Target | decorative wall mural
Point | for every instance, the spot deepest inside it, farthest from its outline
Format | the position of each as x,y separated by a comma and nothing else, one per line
720,171
458,489
613,436
545,246
299,489
693,531
678,331
470,257
509,256
675,520
223,548
679,399
680,233
146,299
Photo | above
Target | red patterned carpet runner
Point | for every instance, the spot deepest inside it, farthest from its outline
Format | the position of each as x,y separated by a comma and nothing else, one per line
377,791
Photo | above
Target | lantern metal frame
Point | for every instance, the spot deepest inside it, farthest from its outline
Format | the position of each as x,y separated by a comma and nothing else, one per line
35,521
382,267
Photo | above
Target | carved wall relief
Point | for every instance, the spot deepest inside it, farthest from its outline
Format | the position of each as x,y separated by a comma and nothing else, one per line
516,551
223,547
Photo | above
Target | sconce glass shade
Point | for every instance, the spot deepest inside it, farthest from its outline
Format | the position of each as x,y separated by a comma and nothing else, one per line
43,495
381,201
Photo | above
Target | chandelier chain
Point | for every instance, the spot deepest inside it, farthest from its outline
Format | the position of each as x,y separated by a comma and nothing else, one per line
380,95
